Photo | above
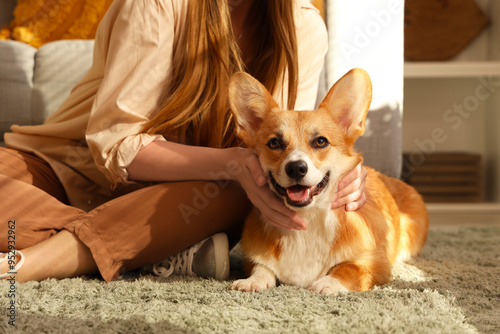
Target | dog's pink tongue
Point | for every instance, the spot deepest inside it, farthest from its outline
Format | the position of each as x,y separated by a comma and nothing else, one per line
298,194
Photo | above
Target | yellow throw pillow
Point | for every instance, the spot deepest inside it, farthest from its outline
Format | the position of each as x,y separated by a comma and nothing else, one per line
37,22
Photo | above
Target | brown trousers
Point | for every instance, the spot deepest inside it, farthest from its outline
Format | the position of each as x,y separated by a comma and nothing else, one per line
128,232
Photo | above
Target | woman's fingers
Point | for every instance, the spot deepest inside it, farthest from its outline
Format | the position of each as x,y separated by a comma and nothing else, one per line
351,190
253,165
350,194
273,210
254,182
355,205
352,201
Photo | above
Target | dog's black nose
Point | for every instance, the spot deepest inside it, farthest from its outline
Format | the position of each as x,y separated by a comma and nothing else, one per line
296,169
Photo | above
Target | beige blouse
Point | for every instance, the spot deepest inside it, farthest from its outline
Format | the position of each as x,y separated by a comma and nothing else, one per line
96,133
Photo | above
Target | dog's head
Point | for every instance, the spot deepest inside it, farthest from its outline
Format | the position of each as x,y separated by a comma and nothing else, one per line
304,153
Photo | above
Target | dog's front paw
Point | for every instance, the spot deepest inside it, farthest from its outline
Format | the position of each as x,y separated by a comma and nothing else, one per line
251,284
328,285
261,278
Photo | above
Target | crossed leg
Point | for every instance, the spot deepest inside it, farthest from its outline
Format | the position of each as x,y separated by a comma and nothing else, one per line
123,234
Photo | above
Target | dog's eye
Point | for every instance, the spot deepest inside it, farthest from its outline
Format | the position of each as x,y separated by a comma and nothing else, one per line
320,142
274,143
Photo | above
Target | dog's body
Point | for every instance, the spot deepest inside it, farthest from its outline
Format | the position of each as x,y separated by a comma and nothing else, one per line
305,154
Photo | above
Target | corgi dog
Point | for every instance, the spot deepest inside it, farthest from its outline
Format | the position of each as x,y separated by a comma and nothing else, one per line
305,154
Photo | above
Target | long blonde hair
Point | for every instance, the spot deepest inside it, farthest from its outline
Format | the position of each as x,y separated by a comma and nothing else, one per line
195,107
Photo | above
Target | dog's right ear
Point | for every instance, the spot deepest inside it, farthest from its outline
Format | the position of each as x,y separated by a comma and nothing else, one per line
348,102
249,101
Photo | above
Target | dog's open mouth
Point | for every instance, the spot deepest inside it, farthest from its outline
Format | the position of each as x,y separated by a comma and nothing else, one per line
299,195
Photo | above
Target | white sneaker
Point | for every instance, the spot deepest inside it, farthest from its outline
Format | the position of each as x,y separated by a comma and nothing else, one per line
207,258
6,256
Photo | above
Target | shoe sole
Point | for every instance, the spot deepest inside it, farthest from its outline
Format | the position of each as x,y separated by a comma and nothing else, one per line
221,250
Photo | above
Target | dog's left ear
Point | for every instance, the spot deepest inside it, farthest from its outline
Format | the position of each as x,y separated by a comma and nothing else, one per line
348,102
249,101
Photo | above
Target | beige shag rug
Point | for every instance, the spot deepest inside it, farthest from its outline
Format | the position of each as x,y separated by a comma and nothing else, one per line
454,287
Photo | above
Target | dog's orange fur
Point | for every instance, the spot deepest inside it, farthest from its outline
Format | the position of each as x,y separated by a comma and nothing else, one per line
363,244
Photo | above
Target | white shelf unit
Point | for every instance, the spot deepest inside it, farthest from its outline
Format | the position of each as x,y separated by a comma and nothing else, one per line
453,215
455,105
453,69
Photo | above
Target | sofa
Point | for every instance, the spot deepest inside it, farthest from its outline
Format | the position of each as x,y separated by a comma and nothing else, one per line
34,82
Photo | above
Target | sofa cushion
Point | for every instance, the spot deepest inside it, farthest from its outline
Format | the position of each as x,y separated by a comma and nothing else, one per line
34,83
59,67
17,62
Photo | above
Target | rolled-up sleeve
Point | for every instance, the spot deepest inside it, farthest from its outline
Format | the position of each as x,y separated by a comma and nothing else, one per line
133,49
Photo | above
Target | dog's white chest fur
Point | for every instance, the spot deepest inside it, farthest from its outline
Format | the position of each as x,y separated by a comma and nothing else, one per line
306,255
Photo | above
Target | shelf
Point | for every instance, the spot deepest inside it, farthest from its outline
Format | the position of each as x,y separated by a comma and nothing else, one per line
464,214
463,208
451,69
446,97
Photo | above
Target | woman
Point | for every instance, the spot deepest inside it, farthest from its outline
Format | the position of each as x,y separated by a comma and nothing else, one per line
86,190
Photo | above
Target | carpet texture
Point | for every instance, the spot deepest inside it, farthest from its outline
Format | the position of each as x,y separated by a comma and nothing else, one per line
454,287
